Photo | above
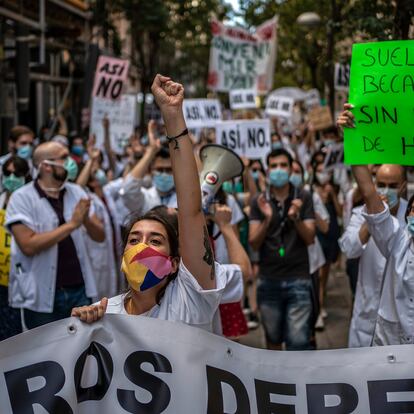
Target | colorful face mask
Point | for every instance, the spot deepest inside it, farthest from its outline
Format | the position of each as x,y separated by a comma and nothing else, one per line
145,267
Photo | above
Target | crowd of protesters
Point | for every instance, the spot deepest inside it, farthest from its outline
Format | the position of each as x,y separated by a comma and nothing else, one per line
82,221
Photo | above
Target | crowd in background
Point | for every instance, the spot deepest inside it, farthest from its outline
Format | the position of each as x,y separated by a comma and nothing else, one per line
67,202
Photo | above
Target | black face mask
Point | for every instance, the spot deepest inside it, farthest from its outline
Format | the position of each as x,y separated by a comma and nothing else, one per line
59,176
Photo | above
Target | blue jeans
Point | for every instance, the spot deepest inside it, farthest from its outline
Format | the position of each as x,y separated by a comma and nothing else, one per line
286,310
65,300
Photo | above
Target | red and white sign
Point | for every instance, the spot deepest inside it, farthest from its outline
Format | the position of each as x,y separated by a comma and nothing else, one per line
111,75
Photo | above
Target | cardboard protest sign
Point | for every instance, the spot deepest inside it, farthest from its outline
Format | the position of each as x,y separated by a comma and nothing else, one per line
111,75
279,106
121,115
320,117
250,139
342,71
242,98
200,113
382,92
334,157
240,59
5,246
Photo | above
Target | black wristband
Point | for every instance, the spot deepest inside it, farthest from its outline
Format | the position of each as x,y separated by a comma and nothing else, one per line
170,139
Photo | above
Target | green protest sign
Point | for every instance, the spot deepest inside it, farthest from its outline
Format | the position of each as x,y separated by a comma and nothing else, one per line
382,92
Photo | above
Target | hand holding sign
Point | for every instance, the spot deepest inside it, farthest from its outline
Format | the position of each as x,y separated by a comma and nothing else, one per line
382,92
92,313
346,118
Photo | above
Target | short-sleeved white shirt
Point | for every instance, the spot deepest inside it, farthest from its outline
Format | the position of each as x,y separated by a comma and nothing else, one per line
186,301
33,278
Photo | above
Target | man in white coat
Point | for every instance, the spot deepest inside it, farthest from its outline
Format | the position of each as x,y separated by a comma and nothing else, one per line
357,242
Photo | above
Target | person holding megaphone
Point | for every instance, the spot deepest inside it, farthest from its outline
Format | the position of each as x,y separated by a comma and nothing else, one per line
170,268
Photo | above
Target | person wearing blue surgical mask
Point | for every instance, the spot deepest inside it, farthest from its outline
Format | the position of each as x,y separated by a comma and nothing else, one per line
394,318
21,144
276,141
77,150
391,184
16,173
156,159
282,225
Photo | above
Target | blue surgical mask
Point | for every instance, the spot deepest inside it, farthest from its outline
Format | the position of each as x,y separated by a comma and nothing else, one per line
328,142
278,177
391,194
163,182
410,225
277,145
296,180
255,175
25,152
101,177
12,183
78,150
72,168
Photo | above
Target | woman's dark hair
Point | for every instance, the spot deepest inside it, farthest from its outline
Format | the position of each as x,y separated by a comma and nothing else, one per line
251,162
409,206
302,170
169,220
21,168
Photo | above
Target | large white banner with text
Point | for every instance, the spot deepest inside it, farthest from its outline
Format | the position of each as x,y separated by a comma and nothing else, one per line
132,364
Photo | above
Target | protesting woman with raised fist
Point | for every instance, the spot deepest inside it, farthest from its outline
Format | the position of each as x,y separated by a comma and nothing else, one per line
170,269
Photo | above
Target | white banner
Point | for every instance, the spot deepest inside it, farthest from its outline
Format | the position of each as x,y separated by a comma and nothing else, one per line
247,138
201,113
279,106
121,115
240,59
132,364
342,74
242,98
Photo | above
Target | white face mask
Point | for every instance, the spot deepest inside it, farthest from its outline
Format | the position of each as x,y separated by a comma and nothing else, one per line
323,177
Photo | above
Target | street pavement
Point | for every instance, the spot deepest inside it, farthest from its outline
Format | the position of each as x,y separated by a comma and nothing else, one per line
338,306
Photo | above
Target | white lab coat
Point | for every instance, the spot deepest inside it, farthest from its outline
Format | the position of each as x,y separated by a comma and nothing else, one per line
101,255
138,198
33,278
395,320
370,276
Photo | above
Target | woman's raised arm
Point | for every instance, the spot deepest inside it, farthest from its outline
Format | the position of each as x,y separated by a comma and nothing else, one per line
195,248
